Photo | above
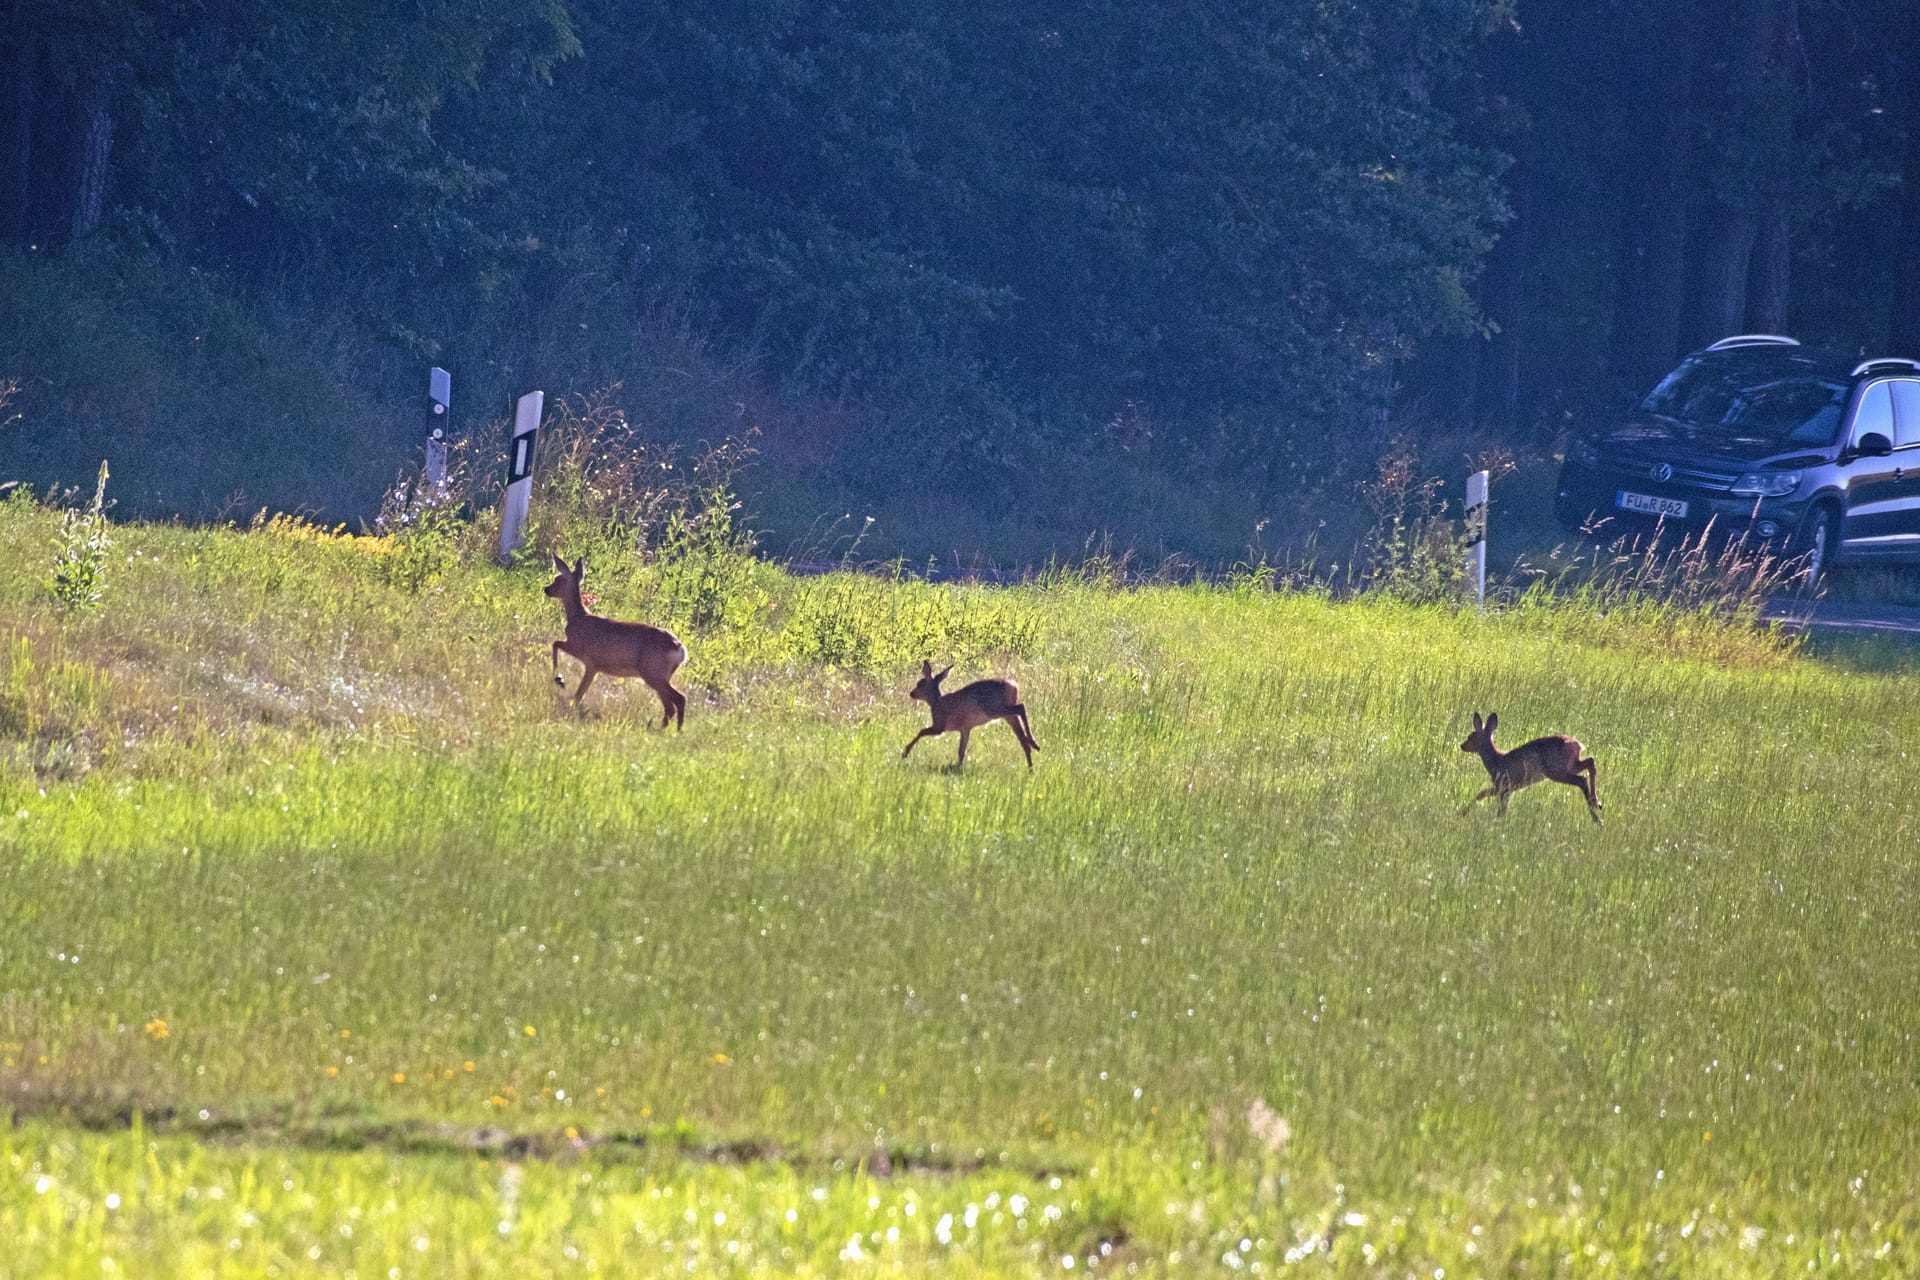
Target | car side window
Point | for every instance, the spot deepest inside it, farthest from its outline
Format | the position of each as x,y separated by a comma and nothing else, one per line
1906,411
1875,414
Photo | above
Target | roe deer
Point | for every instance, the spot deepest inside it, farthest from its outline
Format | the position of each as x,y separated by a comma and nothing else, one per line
965,710
606,647
1552,759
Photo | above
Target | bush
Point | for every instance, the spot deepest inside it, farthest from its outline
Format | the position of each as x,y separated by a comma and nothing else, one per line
80,551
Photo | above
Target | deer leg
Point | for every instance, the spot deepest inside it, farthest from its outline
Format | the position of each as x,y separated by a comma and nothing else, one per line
586,681
924,733
1484,793
1013,723
664,692
1026,727
1587,778
1504,797
964,735
679,710
559,647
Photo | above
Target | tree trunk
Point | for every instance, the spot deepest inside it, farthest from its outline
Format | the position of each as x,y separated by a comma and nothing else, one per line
1906,286
1503,298
1754,138
1648,307
16,217
1771,274
1726,250
96,147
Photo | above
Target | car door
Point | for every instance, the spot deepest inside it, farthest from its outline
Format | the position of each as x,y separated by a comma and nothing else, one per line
1876,522
1906,474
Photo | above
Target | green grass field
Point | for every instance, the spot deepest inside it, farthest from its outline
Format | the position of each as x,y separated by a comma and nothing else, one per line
333,944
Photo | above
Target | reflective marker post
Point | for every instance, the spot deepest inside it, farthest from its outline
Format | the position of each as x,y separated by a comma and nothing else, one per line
440,396
1477,537
513,512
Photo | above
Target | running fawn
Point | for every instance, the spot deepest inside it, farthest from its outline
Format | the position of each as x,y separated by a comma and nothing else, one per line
1554,759
605,647
965,710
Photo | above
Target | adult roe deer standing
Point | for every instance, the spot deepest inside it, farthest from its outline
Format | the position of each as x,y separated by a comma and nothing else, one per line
1551,759
606,647
966,709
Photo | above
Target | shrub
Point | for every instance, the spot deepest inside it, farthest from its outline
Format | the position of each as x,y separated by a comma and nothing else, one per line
80,551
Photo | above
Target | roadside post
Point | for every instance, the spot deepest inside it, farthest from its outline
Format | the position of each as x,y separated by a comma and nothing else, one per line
1477,538
513,512
440,398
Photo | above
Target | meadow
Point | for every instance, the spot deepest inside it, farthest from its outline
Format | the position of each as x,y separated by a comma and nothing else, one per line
333,943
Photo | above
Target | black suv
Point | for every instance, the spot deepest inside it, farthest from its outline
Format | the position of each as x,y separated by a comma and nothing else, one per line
1763,437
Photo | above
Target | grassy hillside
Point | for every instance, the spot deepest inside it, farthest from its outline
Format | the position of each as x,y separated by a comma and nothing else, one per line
334,942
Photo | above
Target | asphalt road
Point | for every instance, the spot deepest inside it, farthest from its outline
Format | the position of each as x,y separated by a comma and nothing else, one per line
1849,616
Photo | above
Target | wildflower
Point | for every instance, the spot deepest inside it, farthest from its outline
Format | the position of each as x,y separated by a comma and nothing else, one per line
528,1029
332,1072
1269,1126
399,1077
158,1029
496,1101
720,1059
467,1066
572,1133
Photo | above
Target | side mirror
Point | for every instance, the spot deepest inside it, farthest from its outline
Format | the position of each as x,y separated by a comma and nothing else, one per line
1872,445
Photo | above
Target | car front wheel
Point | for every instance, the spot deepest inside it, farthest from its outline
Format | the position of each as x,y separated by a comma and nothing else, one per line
1816,542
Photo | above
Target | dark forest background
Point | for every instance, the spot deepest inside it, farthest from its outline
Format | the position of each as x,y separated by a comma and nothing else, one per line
1001,275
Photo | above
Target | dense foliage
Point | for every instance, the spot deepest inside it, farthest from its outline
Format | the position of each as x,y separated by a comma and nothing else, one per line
1049,261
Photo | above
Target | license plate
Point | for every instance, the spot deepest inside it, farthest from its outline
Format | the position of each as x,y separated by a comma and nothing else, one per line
1647,504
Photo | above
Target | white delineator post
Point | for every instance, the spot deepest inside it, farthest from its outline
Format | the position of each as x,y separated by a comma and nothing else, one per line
440,396
513,512
1477,537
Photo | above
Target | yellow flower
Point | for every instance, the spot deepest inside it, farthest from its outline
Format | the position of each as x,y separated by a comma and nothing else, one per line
332,1072
466,1066
399,1077
158,1029
720,1059
345,1034
529,1030
496,1101
572,1133
599,1091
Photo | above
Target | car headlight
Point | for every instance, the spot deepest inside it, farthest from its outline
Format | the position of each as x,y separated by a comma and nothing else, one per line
1767,484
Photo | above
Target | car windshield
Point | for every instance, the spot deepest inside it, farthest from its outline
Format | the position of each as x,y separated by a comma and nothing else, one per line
1771,399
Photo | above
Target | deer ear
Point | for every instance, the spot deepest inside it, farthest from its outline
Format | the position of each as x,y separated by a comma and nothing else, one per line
1476,722
561,565
579,568
943,675
1493,718
926,670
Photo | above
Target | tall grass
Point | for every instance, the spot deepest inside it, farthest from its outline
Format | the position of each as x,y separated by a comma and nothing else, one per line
306,865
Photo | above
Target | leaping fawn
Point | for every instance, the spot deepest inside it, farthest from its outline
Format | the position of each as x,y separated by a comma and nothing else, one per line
1552,759
606,647
965,710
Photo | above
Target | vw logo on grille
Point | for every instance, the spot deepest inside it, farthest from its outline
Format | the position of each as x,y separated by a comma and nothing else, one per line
1662,471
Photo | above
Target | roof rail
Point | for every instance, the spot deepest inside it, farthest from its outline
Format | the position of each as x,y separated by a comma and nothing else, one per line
1754,340
1867,366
